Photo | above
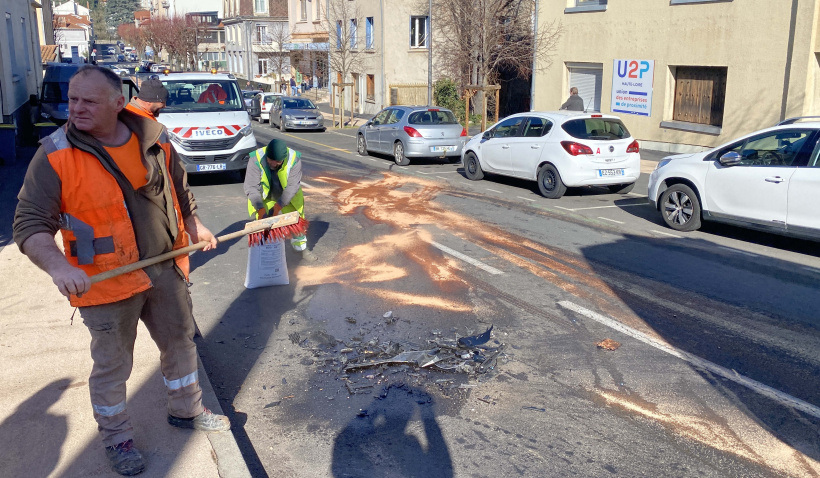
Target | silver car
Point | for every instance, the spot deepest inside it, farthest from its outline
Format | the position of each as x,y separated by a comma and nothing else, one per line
413,132
294,112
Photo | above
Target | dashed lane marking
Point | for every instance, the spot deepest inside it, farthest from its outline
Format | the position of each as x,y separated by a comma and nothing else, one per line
442,177
602,207
467,259
665,234
306,185
765,390
610,220
439,172
493,190
319,144
526,199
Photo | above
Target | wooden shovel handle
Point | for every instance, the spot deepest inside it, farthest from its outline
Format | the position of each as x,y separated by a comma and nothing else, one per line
251,227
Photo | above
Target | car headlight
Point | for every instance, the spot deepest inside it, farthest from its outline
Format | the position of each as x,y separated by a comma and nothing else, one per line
288,117
246,131
662,163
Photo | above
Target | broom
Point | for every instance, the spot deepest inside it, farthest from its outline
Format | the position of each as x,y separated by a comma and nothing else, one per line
276,227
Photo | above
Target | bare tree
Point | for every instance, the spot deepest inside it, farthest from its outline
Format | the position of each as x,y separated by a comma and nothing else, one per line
342,24
484,36
274,47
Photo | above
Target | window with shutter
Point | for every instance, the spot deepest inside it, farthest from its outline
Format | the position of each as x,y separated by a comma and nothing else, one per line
699,94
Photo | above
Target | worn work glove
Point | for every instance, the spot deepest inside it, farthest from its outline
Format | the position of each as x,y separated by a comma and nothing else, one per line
261,213
276,209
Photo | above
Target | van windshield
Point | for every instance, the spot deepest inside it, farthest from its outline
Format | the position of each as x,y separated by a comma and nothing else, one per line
55,92
202,95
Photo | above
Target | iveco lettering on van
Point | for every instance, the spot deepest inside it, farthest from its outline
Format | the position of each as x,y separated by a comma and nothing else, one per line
206,119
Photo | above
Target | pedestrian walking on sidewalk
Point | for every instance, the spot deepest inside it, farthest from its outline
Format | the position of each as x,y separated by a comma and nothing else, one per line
293,90
111,183
152,97
273,185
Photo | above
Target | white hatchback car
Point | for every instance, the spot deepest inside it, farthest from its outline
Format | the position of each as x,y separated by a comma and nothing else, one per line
558,150
265,103
768,180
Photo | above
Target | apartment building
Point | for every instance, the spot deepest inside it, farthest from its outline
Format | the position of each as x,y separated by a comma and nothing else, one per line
210,40
685,75
391,38
252,28
308,42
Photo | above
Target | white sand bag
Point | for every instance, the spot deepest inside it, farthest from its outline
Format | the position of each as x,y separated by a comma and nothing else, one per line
266,265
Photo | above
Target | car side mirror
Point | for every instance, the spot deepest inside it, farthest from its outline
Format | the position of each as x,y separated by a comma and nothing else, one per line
487,135
732,158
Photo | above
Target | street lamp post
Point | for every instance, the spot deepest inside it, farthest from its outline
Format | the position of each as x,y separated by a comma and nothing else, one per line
430,55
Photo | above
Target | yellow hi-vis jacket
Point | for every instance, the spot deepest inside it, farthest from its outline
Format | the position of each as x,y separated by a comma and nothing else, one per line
258,161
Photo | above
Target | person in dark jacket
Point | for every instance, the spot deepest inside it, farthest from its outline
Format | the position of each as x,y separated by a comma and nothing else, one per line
574,102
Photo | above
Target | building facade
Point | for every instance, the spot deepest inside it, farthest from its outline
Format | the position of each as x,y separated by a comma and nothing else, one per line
73,34
308,42
253,39
392,42
685,75
210,43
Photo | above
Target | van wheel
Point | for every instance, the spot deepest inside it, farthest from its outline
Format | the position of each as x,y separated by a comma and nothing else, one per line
549,182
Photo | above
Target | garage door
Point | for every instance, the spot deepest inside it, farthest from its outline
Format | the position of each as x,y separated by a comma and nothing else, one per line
588,81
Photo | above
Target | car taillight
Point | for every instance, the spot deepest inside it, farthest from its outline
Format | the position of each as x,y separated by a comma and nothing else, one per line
263,102
597,116
633,148
576,149
463,131
412,132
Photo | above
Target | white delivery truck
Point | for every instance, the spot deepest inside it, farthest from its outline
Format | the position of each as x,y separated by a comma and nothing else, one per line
207,122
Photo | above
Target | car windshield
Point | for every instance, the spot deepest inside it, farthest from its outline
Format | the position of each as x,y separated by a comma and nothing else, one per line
248,94
55,92
604,129
432,117
298,104
202,95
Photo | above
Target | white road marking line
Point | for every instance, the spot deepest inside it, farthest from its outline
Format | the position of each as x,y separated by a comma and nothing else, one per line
638,195
604,207
665,234
729,249
304,184
765,390
493,190
564,208
441,177
440,172
526,199
811,269
468,259
611,220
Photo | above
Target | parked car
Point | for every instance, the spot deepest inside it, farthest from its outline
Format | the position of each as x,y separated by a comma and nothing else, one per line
768,180
412,132
292,112
248,95
558,150
111,51
265,101
118,70
120,57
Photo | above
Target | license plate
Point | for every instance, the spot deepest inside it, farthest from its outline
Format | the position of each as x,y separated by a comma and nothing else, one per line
442,149
210,167
304,122
610,172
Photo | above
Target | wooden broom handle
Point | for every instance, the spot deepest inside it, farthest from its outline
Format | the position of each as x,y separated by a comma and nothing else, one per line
251,227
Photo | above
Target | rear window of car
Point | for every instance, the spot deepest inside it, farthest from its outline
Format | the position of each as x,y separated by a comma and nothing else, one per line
432,117
603,129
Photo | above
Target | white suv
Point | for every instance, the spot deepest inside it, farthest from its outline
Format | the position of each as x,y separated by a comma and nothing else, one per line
767,180
557,149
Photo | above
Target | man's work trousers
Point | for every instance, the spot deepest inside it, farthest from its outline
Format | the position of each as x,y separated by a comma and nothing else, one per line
166,311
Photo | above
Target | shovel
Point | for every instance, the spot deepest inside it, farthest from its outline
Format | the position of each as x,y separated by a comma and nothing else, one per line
281,226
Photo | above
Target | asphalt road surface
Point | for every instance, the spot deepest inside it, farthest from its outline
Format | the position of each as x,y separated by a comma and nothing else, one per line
714,372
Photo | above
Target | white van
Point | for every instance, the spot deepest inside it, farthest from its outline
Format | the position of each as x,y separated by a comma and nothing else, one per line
207,122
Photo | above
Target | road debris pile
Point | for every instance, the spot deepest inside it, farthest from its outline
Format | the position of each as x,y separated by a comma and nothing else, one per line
362,365
608,344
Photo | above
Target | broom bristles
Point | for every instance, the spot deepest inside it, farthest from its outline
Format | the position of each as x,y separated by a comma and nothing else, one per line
278,233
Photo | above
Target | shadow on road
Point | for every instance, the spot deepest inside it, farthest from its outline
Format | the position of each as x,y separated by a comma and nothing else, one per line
383,439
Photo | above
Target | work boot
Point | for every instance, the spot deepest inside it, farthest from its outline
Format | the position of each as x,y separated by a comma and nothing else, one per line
206,421
125,459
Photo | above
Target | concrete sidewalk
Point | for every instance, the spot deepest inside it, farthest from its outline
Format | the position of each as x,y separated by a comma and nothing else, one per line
46,423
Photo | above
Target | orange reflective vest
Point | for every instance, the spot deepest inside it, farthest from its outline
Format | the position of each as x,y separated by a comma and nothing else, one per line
136,109
97,232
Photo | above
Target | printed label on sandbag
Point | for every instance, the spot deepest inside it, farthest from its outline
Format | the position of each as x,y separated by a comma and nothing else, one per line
266,265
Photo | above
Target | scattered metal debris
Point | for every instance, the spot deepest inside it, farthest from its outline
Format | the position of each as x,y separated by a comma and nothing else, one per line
608,344
475,340
295,338
351,320
535,409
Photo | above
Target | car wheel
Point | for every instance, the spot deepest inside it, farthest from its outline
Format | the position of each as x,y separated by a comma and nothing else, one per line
282,125
680,208
549,182
621,188
472,168
398,154
361,145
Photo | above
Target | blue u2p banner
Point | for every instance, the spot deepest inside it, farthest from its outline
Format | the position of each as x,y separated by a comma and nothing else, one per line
632,86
